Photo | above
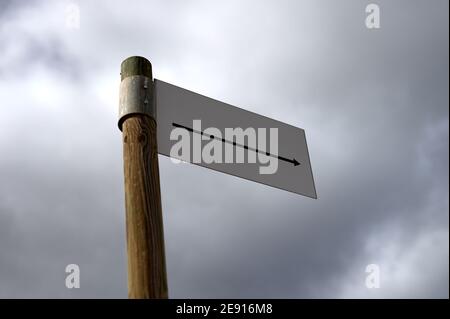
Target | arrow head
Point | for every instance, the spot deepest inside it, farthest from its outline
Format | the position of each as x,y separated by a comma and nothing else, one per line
295,162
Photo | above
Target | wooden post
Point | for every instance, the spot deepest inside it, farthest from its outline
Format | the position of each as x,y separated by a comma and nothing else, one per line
144,223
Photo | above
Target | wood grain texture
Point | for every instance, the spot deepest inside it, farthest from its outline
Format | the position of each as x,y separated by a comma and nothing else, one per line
144,223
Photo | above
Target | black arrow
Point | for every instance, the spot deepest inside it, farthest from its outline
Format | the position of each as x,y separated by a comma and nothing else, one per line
292,161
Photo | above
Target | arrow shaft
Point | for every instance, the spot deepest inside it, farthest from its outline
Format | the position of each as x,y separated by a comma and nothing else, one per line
223,140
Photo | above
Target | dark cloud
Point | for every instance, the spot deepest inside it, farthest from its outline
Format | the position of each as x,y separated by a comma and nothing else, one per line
374,104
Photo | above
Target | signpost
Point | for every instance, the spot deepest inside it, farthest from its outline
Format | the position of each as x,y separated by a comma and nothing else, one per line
158,117
145,240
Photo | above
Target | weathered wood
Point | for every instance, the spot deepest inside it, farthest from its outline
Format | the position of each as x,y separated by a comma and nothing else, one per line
144,223
135,65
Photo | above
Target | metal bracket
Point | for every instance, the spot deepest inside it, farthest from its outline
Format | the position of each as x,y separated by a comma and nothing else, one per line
136,97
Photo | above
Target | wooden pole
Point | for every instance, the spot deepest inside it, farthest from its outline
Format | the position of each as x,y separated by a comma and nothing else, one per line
144,223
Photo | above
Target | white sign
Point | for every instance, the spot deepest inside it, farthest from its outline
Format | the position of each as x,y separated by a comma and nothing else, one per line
225,138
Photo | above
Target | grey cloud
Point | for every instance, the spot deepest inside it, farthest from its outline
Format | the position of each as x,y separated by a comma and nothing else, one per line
374,106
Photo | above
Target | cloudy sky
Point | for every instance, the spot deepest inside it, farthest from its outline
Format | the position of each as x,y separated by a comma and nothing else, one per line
374,104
